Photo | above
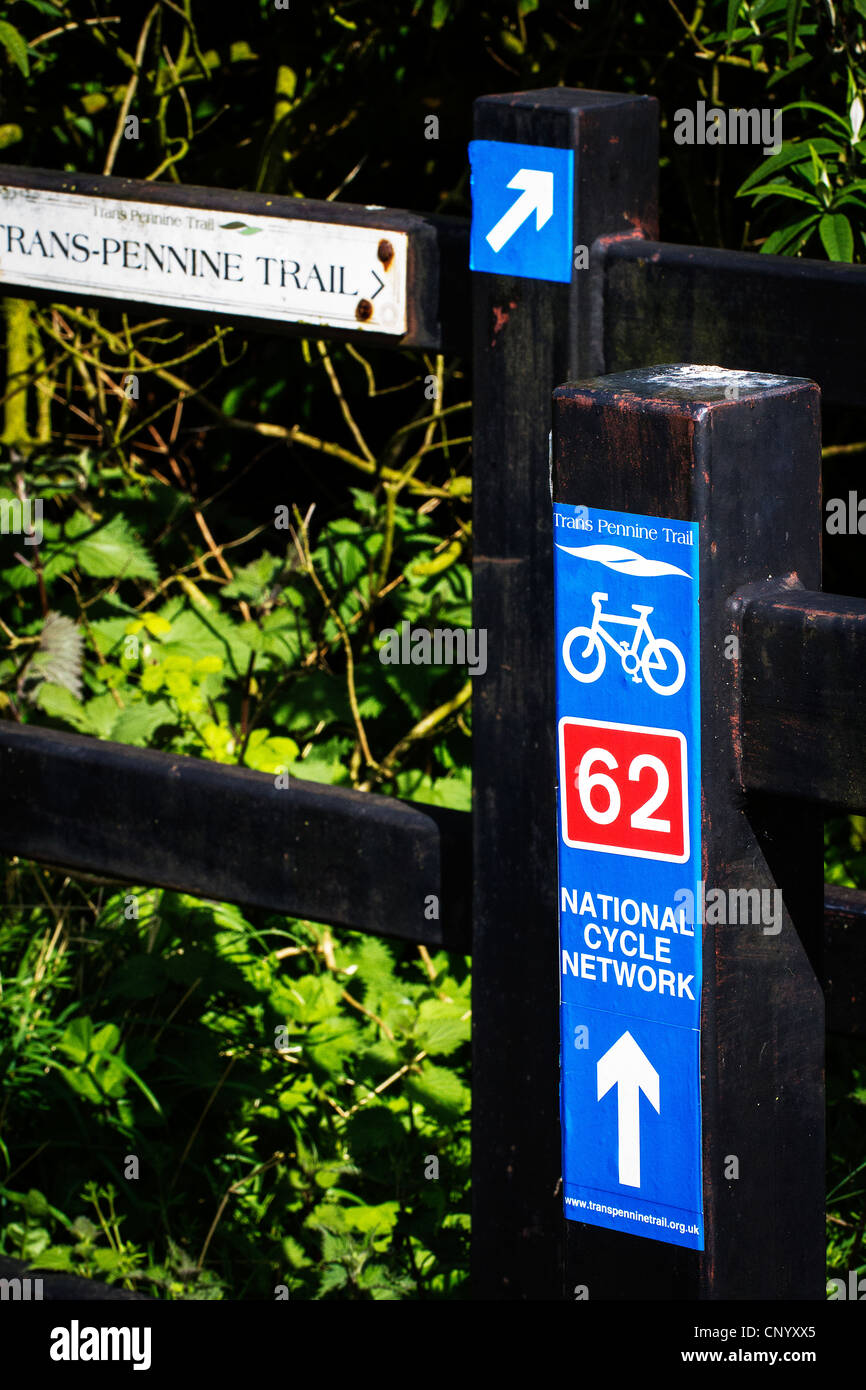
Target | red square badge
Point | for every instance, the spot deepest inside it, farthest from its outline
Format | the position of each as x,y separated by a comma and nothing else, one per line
623,789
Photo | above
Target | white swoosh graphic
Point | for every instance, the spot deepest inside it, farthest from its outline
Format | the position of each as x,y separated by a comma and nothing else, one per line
616,557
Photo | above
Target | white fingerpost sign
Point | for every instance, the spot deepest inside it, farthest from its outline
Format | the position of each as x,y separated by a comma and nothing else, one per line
321,273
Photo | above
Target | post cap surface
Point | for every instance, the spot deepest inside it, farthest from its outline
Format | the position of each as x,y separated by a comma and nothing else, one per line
694,383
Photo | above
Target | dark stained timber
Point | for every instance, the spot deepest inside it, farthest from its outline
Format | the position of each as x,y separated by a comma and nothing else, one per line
529,334
231,834
662,442
803,711
778,314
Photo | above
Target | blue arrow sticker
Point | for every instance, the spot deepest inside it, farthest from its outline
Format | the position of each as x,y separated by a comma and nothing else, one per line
628,756
522,210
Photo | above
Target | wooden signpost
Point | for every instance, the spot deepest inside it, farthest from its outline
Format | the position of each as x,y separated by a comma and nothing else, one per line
739,455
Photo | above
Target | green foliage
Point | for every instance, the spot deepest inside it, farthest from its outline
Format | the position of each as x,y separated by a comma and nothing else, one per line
845,851
281,1086
824,176
15,46
846,1184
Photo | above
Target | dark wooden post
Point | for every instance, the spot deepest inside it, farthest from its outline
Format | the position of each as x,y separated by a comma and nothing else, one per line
529,334
740,455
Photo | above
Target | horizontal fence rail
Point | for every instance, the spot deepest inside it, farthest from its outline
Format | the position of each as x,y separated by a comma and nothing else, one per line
118,252
658,302
26,1282
349,858
92,837
803,696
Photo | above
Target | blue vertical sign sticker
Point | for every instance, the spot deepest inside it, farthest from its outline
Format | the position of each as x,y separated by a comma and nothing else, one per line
522,210
629,834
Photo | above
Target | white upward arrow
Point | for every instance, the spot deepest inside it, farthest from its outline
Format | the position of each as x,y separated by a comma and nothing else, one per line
624,1065
537,197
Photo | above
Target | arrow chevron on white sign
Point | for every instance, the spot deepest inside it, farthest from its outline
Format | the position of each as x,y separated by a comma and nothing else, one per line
624,1065
537,197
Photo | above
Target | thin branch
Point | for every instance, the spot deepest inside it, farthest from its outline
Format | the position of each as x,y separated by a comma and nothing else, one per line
75,24
130,92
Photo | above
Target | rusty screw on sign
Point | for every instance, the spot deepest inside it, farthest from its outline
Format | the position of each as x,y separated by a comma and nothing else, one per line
385,253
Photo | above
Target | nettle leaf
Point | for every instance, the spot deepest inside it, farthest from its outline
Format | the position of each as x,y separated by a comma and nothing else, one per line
313,696
281,635
30,1241
109,633
139,722
101,712
310,999
344,552
333,1277
19,577
112,551
380,1219
454,791
441,1027
269,754
59,656
439,1090
57,1257
59,703
328,1044
375,964
253,579
196,632
384,1285
325,763
295,1253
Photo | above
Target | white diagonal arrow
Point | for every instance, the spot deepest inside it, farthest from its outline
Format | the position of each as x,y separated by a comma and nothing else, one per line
537,197
624,1065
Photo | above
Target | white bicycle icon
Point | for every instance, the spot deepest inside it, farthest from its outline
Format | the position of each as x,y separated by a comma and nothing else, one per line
661,661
